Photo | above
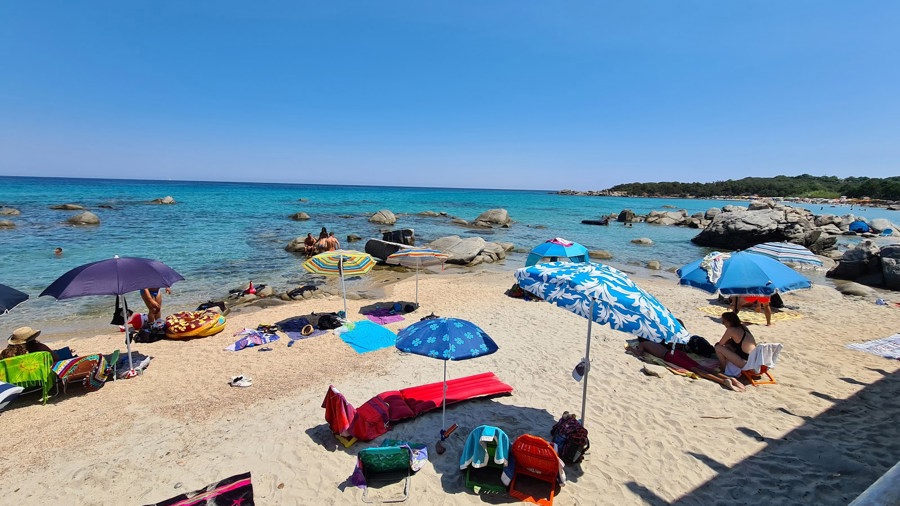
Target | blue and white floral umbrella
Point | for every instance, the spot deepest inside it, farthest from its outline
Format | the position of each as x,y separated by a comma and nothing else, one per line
604,295
445,339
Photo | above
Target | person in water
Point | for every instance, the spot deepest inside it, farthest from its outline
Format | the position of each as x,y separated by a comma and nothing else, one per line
333,243
736,344
153,299
322,244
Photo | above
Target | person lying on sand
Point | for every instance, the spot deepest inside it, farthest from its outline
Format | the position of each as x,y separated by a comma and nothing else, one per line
681,359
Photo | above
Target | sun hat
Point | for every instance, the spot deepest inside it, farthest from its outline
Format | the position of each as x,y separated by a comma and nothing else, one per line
22,335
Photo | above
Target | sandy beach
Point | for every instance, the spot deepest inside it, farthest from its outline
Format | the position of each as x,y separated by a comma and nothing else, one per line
824,433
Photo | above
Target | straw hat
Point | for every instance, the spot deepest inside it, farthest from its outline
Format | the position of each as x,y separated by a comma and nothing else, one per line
23,334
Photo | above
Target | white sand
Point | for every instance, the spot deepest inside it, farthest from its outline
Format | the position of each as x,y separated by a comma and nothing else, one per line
822,435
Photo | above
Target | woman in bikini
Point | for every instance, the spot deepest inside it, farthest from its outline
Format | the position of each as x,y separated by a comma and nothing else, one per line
153,299
736,344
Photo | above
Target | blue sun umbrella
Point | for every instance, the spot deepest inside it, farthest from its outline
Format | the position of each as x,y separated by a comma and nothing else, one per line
604,295
445,339
742,273
557,248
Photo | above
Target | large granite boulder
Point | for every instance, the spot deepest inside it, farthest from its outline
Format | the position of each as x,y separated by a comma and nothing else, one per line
599,254
296,245
7,224
167,200
383,217
625,216
300,216
880,224
405,236
9,211
738,228
85,218
461,251
493,217
890,266
667,217
711,213
67,207
861,263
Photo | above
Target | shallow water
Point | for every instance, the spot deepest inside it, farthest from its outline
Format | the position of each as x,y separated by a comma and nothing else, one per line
221,235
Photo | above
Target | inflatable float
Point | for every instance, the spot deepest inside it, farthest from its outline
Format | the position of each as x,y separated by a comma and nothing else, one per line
194,324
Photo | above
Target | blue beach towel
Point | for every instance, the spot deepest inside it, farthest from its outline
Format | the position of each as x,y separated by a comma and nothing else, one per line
366,336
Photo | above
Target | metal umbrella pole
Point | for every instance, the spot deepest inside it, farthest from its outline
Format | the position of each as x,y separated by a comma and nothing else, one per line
587,362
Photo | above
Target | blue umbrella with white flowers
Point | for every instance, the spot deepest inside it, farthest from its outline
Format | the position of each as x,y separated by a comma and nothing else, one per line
445,339
604,295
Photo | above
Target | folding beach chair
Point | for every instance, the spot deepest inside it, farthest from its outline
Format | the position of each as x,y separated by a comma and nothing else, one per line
484,457
535,461
385,465
761,359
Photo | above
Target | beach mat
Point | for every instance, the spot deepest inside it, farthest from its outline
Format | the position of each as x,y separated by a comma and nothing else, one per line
384,316
236,489
751,316
888,347
365,336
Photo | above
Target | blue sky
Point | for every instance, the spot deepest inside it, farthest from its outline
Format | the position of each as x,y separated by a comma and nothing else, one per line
503,94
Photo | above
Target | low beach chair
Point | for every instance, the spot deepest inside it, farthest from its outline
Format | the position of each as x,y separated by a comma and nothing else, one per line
31,371
79,370
484,457
534,460
385,465
761,359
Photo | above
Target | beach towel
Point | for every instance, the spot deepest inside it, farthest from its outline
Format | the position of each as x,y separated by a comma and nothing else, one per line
250,338
66,369
888,347
8,393
295,327
765,354
383,316
29,370
713,264
365,336
338,412
235,490
750,316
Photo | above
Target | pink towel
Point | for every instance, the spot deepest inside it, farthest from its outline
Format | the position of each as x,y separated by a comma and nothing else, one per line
384,320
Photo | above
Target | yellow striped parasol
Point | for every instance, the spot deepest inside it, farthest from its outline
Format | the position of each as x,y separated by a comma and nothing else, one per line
339,263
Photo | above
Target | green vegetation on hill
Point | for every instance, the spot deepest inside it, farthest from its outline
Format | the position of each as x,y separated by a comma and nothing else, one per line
805,186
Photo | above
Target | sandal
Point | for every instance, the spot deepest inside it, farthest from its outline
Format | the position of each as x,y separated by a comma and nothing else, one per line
240,381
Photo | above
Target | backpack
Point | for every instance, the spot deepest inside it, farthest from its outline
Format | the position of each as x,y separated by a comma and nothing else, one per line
329,321
571,439
700,346
149,333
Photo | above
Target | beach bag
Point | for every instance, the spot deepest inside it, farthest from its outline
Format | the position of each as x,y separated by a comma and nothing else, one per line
571,439
329,321
150,333
700,346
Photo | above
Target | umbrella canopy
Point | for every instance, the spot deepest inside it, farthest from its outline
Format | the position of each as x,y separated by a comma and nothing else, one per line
557,248
741,273
113,276
445,339
340,263
786,252
604,295
10,298
417,257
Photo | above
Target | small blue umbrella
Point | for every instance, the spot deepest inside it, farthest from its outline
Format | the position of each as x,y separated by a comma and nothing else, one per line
10,298
445,339
604,295
859,226
741,273
557,248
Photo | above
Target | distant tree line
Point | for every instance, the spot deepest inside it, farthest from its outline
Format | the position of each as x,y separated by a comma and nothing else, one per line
804,186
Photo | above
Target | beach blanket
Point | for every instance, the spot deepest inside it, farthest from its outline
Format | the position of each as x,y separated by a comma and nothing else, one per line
706,363
365,336
29,370
383,316
234,490
296,326
888,347
750,316
250,338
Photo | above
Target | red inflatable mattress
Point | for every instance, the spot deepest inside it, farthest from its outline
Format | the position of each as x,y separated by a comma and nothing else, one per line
427,397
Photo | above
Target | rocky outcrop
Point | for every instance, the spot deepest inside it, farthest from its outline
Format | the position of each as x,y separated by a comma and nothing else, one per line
764,221
870,265
599,254
296,245
430,214
299,216
643,241
67,207
471,250
7,224
383,217
405,236
84,218
353,238
9,211
167,200
625,216
493,217
667,217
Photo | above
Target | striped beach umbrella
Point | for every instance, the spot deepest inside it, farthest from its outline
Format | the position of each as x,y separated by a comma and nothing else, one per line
417,257
340,263
786,252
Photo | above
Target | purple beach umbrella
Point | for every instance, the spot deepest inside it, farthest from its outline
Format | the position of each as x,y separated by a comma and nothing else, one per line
114,276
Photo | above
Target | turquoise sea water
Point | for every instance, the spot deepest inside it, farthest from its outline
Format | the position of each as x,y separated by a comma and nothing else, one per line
220,235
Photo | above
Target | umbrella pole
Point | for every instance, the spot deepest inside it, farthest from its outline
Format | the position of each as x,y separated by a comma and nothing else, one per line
587,362
444,402
127,337
343,288
417,291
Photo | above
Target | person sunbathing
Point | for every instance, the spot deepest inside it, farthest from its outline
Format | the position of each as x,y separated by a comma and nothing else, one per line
23,341
736,344
681,359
